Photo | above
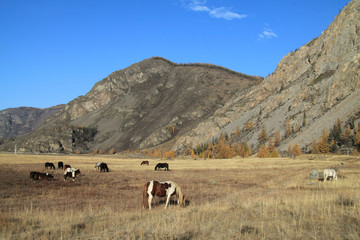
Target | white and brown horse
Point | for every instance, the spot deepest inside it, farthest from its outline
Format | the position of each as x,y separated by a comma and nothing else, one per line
162,189
329,174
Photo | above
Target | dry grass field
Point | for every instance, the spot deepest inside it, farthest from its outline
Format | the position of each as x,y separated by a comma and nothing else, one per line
227,199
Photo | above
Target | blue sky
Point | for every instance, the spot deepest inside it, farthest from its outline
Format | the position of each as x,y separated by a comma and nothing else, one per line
54,51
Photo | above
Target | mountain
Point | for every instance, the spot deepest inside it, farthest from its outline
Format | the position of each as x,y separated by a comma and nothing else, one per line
148,104
308,91
15,122
158,103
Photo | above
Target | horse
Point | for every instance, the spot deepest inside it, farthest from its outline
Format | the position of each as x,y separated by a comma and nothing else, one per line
97,165
162,165
145,163
104,167
162,189
71,172
60,165
329,173
66,166
32,174
49,165
41,176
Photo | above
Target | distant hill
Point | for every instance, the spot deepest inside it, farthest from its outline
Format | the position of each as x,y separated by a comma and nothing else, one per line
15,122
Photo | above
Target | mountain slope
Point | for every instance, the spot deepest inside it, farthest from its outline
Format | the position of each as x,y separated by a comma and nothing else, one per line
150,103
15,122
308,91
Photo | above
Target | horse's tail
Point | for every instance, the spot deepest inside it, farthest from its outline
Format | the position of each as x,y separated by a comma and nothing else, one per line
145,195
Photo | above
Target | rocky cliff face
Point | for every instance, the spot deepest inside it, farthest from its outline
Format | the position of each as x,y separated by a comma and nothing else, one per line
309,90
148,104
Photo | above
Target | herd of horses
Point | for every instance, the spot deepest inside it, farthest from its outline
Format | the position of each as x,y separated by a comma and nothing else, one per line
151,189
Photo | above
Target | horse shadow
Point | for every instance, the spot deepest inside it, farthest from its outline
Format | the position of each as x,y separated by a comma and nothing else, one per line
173,202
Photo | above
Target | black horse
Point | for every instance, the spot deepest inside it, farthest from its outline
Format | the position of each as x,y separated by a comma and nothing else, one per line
104,167
60,165
49,165
162,165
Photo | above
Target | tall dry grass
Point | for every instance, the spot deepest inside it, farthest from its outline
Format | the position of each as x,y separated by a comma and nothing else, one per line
229,199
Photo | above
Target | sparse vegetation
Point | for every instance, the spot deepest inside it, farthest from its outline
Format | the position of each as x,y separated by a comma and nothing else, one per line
232,199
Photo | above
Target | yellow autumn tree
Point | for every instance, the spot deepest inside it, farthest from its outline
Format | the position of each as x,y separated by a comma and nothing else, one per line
263,152
314,147
324,145
277,139
296,151
275,153
263,137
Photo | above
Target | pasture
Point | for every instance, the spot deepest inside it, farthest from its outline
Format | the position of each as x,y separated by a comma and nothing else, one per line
227,199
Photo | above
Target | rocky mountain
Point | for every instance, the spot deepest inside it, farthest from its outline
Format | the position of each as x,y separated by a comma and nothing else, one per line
15,122
160,103
308,91
148,104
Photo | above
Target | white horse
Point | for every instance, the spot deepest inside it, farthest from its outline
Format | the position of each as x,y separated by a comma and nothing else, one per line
329,173
97,165
162,189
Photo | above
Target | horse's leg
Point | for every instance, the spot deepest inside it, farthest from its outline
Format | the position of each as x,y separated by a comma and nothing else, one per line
167,200
149,200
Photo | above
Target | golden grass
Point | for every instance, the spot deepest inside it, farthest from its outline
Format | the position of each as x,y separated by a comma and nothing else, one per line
229,199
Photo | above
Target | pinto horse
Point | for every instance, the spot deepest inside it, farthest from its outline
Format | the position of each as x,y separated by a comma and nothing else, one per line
97,165
71,172
162,189
329,173
162,165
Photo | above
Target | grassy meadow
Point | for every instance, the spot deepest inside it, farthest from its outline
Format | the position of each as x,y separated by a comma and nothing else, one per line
236,198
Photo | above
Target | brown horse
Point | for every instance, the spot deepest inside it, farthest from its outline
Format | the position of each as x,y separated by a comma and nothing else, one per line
41,176
145,163
162,189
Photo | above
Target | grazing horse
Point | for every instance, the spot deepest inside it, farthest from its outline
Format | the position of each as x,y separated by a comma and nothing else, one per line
145,163
41,176
71,172
60,165
162,165
329,173
162,189
67,166
97,165
49,165
104,167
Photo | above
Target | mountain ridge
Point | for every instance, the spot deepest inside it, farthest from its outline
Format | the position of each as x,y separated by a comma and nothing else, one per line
158,103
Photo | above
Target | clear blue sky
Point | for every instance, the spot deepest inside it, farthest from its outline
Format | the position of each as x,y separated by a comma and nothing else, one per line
54,51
